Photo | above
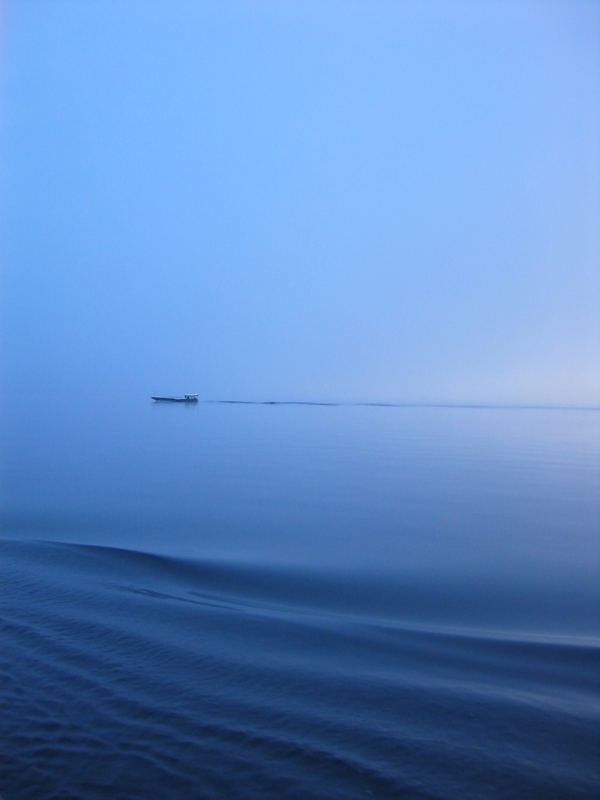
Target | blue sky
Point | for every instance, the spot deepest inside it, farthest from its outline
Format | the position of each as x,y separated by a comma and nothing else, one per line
317,200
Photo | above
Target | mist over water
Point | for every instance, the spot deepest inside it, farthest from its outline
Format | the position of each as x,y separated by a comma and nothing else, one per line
295,207
246,600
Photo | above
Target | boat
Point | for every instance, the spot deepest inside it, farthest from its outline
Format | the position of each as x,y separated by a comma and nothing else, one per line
186,398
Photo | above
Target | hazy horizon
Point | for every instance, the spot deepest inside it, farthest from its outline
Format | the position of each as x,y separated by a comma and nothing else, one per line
334,202
286,207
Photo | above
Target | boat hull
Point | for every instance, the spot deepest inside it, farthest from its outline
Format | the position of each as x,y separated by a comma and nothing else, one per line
175,399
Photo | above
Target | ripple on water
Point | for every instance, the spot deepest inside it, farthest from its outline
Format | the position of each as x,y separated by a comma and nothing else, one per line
135,675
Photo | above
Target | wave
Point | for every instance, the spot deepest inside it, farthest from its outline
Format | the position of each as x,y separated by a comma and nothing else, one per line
382,404
135,674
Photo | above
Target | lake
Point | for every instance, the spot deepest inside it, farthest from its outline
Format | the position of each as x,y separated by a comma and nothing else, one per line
303,601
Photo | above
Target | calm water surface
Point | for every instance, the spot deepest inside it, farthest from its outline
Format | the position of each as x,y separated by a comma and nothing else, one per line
298,601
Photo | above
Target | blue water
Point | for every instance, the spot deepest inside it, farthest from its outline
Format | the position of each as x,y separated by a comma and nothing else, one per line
298,601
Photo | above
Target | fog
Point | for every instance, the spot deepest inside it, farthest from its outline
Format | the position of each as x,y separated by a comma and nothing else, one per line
338,201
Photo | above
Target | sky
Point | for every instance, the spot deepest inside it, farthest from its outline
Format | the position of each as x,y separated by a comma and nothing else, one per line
393,201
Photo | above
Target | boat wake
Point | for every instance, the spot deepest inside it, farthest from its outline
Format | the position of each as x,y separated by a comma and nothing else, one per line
138,675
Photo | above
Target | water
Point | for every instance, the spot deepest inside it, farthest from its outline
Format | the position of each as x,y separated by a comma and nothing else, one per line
298,601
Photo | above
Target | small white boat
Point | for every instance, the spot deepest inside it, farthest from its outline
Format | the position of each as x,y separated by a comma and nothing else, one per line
186,398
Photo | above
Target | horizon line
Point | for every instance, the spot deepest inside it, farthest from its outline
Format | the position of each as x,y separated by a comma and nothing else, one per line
408,404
